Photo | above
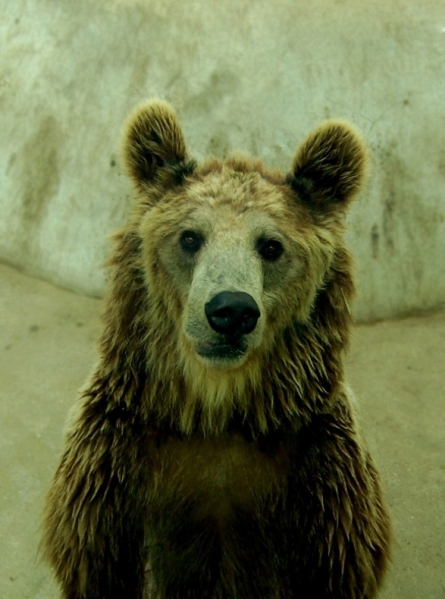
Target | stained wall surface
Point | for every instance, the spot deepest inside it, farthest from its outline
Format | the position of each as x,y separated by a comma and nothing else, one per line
243,74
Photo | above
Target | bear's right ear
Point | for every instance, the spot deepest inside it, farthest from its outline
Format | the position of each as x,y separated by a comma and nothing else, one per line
154,145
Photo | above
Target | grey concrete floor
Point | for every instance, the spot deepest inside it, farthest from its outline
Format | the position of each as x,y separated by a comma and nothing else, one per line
47,348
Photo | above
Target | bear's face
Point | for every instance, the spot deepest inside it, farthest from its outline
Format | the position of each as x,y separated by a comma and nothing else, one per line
234,253
239,257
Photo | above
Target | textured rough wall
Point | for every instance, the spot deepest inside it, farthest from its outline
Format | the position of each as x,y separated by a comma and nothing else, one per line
249,74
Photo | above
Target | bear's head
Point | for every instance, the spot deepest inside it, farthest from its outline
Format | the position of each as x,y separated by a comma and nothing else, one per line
236,260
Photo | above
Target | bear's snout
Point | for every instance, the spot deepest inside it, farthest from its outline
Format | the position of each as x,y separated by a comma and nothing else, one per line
232,313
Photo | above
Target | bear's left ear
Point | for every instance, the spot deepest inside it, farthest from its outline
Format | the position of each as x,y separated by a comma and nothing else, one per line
153,147
329,168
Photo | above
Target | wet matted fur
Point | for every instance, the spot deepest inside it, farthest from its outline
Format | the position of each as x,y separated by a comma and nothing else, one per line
211,462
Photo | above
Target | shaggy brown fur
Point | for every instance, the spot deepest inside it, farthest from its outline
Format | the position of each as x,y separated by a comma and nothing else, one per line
242,476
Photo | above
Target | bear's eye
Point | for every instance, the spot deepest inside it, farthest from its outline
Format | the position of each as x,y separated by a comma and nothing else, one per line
191,241
270,249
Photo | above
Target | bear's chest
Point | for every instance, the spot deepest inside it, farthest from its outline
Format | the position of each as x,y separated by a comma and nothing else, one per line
215,477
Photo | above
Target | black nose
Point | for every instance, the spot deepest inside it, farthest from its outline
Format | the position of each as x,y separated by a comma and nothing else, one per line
232,313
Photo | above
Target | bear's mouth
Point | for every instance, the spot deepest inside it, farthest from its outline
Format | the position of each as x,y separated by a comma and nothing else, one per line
226,349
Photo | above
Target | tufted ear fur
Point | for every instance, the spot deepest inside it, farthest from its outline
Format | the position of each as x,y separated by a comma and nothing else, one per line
154,148
329,167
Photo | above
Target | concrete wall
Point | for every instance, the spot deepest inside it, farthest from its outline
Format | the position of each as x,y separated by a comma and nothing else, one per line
250,74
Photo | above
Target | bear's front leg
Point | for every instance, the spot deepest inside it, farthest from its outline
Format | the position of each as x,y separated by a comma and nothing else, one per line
341,533
94,514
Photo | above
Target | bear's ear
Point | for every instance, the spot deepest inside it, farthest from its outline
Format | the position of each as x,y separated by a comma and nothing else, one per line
329,168
154,145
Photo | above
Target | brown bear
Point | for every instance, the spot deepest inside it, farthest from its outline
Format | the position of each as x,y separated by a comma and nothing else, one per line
214,452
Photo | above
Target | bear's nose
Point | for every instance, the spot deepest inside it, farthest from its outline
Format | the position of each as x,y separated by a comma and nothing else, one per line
232,313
